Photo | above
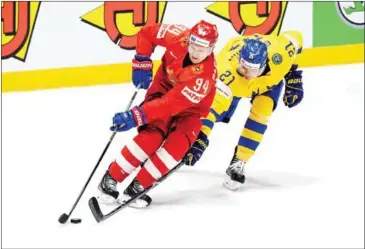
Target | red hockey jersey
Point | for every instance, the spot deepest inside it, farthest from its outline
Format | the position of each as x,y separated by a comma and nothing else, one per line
188,89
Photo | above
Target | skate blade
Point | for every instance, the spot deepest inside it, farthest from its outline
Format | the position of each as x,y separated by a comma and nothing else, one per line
231,185
136,204
106,199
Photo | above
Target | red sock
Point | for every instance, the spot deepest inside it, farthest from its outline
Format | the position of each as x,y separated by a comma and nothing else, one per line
117,173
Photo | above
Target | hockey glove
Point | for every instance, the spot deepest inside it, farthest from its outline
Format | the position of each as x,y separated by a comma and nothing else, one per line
293,88
142,71
124,121
197,150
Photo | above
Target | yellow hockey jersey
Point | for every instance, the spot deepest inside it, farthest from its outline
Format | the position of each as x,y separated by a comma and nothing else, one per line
283,51
282,54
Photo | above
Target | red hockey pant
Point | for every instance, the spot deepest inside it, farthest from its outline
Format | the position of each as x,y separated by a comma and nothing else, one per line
163,143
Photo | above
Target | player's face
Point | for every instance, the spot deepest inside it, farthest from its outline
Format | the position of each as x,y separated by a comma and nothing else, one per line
198,53
249,71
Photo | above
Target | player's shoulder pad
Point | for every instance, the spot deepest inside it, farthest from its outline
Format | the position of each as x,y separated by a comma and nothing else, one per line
174,29
223,89
278,56
296,38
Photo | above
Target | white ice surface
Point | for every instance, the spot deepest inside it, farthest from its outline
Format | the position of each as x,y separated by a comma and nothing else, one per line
305,184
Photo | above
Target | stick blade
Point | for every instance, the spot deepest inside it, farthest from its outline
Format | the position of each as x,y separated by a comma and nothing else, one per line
95,209
63,218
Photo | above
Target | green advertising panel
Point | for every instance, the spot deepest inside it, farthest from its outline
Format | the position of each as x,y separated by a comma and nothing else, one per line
338,23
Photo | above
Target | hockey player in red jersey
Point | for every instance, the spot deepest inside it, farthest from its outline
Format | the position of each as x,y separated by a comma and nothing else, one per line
168,120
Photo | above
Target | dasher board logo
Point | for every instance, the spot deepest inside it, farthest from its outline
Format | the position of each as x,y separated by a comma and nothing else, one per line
122,20
352,13
18,21
251,17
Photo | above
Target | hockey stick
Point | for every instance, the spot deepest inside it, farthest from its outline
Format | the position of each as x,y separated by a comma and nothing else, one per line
95,207
64,217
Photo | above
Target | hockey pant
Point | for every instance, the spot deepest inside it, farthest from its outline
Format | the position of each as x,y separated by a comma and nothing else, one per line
163,143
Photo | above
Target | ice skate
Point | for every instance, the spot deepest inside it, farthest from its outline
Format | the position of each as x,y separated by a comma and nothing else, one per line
235,174
108,189
134,189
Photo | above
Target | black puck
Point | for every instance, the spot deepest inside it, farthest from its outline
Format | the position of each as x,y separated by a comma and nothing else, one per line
75,221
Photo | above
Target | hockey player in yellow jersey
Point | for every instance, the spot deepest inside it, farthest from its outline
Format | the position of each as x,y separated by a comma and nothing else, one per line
251,67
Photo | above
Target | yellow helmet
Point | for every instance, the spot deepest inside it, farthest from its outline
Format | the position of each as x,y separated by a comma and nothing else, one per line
295,37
